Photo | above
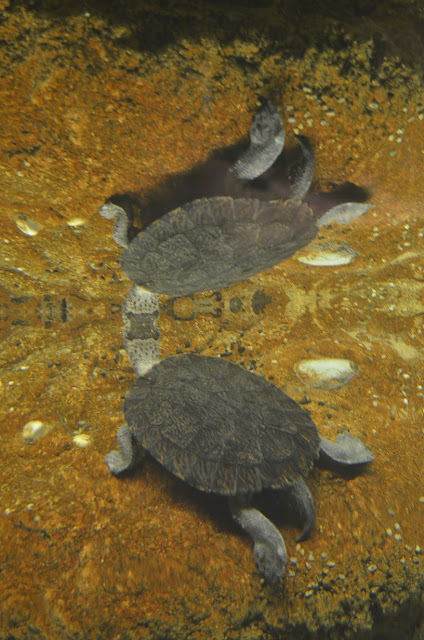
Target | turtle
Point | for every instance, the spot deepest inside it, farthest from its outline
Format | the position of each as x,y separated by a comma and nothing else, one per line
210,242
225,430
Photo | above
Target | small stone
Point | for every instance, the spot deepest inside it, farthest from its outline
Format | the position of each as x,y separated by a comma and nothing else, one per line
76,222
34,430
326,373
372,568
27,226
82,440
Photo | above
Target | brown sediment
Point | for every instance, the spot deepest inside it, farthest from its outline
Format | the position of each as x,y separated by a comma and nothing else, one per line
85,555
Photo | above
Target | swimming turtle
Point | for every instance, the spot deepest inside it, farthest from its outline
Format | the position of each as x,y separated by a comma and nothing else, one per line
225,430
210,242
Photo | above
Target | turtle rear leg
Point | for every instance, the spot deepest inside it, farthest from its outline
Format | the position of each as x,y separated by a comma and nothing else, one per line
346,451
268,544
298,495
126,458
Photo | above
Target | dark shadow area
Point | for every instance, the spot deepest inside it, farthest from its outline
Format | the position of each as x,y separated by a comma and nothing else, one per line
214,178
394,28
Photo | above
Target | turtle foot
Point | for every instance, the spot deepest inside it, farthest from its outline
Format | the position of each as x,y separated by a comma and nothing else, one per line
268,544
344,213
266,143
270,560
111,211
300,498
125,459
346,451
302,174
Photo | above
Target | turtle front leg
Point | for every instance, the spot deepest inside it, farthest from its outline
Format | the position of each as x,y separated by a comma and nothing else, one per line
268,544
303,173
346,451
125,459
266,143
111,211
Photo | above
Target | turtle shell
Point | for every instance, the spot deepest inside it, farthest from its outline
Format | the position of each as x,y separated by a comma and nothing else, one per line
219,427
211,242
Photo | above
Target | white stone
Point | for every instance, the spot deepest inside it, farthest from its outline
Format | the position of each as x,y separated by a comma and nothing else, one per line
327,255
82,440
326,373
34,430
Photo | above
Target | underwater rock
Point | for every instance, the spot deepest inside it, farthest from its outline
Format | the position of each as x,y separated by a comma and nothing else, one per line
326,373
82,440
34,430
328,255
27,226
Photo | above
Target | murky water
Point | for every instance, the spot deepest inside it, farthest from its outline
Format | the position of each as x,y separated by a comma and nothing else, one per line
92,107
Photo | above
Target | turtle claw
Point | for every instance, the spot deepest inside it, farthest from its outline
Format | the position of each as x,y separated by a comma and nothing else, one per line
270,561
346,451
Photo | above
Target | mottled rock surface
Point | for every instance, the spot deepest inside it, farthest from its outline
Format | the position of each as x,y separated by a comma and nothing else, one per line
97,102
